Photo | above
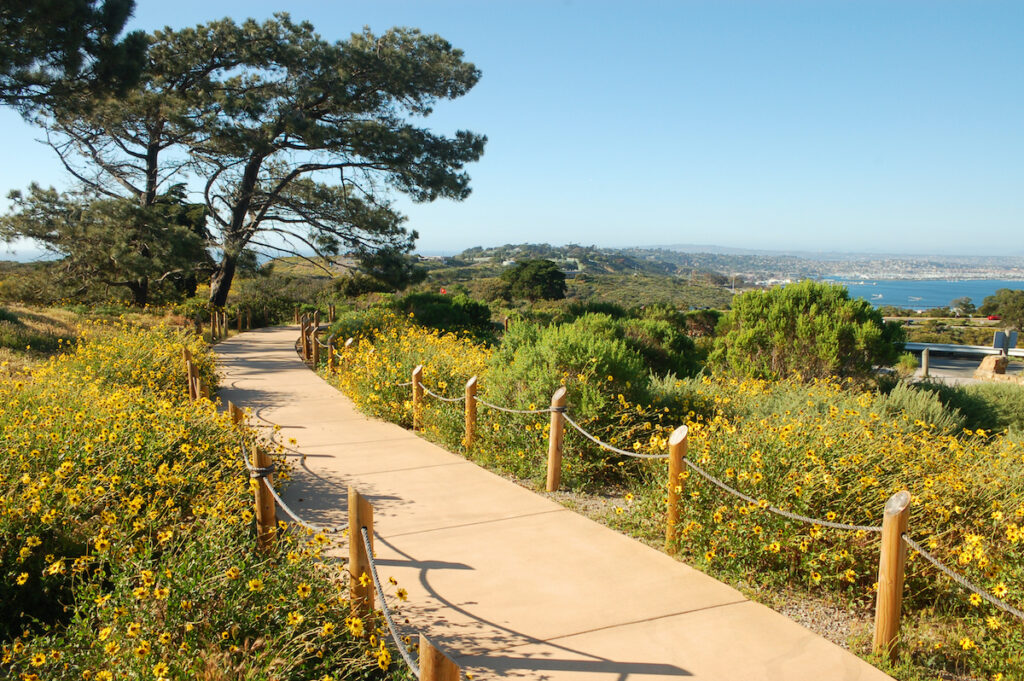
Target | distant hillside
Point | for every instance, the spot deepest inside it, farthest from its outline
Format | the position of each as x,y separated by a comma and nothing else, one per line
317,267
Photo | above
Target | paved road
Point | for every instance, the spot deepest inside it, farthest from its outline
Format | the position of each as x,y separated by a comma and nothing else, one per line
511,584
960,371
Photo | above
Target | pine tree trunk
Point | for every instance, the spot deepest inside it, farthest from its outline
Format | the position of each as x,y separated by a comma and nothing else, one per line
140,291
220,280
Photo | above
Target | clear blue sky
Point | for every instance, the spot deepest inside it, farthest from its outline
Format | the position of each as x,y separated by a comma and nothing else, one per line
870,126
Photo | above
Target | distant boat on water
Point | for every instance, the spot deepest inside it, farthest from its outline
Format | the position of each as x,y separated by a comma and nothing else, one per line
876,296
913,297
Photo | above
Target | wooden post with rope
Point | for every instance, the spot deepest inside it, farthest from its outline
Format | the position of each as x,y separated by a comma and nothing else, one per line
677,445
193,381
360,584
417,397
296,315
891,562
330,313
266,511
303,343
435,665
555,438
236,414
330,354
315,346
186,355
470,412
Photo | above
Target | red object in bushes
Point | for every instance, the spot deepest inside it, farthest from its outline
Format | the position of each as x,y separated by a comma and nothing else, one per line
993,318
444,290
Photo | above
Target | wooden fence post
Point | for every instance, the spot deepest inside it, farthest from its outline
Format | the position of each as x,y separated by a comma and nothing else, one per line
248,318
555,440
237,415
201,390
314,346
266,511
193,381
302,337
239,320
417,398
296,314
360,515
186,355
677,444
435,665
330,354
224,325
470,412
330,313
891,561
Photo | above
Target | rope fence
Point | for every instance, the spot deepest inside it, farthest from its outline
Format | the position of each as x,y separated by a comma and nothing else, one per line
433,664
388,617
893,531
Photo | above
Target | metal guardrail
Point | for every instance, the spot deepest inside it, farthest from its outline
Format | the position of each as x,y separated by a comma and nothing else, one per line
955,349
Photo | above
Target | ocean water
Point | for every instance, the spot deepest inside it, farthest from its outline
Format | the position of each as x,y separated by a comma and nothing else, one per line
922,294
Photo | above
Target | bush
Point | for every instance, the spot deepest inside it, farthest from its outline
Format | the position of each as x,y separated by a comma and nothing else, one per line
664,348
907,364
811,330
456,314
921,406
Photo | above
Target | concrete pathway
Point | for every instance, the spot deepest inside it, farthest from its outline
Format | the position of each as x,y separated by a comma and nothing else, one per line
508,583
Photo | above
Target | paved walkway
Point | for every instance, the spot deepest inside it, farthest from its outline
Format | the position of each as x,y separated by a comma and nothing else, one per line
508,583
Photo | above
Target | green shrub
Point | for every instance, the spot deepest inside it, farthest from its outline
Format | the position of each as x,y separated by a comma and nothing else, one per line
663,346
456,314
907,364
921,406
810,329
588,356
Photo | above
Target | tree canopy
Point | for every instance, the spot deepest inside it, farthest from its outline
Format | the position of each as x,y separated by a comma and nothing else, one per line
295,142
809,329
114,242
52,49
535,280
1008,304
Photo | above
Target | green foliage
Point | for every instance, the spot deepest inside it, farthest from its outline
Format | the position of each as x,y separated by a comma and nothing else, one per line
589,356
991,407
535,280
963,306
907,364
921,406
457,314
64,48
111,242
1008,304
809,329
664,347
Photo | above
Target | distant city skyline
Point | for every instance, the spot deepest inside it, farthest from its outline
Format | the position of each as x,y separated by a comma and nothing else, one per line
871,127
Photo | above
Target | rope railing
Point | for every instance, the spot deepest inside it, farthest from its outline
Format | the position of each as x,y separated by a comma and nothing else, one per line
610,448
509,410
388,617
261,473
441,397
895,516
775,509
961,580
